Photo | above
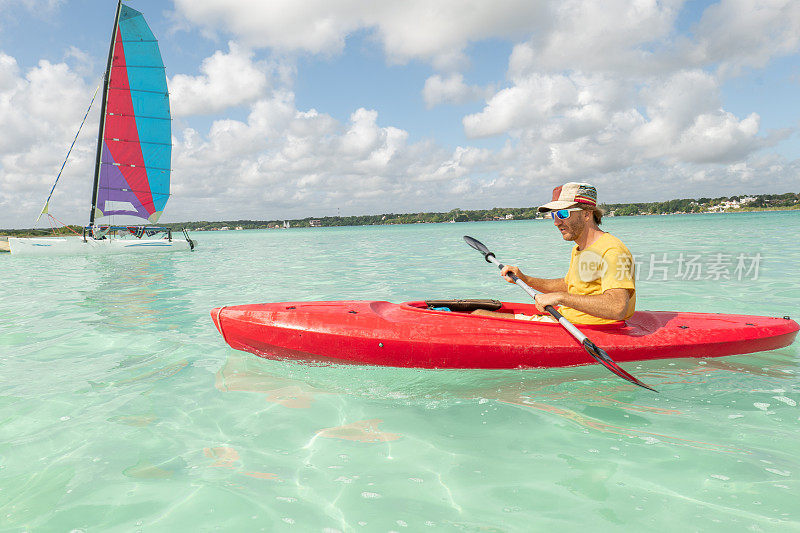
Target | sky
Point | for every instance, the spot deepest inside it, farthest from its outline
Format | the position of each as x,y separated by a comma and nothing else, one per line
305,108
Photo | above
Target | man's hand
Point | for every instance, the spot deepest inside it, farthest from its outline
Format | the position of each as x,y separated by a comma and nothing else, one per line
548,298
537,284
514,270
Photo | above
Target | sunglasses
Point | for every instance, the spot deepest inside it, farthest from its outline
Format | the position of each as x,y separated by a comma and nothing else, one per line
561,214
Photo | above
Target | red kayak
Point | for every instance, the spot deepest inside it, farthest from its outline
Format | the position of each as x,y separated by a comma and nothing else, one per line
411,335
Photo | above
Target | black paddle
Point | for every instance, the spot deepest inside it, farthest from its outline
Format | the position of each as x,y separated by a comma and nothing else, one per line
595,351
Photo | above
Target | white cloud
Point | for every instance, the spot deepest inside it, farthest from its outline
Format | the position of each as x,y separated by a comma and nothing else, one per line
9,73
310,164
589,124
417,29
47,6
553,100
439,31
594,87
80,62
585,35
687,123
226,80
746,33
629,38
451,90
718,137
314,26
41,110
639,39
308,160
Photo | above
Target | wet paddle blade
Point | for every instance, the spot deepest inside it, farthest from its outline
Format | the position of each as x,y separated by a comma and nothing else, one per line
478,245
602,357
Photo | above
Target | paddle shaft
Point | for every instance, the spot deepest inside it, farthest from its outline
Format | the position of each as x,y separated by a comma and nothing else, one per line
550,309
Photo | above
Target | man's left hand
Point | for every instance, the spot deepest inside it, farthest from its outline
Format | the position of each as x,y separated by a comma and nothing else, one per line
548,298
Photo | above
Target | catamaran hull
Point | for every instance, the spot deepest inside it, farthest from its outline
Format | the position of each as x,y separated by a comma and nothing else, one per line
409,335
76,245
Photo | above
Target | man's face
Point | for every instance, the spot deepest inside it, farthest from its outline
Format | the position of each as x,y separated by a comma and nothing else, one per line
574,225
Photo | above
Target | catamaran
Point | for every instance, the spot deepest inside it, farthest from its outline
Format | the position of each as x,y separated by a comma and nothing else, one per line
134,151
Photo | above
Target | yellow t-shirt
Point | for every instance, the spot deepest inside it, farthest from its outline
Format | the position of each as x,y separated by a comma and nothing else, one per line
605,264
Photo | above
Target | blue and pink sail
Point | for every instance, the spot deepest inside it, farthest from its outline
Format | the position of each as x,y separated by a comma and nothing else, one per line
137,134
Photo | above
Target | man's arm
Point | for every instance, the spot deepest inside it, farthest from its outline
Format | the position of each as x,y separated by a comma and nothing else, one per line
537,284
611,304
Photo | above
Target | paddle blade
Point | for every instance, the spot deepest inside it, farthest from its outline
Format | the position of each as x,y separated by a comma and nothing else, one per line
602,357
475,243
478,245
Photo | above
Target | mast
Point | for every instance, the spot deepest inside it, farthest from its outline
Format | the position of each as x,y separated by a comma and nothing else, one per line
103,114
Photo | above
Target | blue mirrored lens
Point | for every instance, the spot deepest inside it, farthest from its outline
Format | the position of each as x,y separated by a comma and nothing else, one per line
561,213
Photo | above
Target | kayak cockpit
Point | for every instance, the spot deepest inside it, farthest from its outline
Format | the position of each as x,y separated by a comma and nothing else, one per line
467,306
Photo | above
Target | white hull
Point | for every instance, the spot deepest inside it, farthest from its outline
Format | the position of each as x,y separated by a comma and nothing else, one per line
76,245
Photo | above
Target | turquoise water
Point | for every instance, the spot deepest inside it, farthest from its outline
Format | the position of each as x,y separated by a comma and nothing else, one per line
121,408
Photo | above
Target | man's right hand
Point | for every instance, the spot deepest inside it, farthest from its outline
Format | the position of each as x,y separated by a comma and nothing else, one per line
514,270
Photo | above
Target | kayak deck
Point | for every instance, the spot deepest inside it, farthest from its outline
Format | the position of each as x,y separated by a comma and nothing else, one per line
410,335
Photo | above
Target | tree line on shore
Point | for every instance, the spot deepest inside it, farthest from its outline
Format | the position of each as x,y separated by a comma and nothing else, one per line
704,205
688,205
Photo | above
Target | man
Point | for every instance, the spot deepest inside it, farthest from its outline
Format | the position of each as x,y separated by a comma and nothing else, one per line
599,286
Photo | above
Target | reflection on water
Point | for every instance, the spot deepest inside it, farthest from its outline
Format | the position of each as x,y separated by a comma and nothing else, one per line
603,408
136,292
583,396
594,423
262,475
146,470
361,431
224,456
228,457
135,370
591,480
133,420
245,373
43,485
156,374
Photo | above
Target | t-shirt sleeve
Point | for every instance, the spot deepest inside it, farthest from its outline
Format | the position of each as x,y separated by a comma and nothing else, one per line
620,273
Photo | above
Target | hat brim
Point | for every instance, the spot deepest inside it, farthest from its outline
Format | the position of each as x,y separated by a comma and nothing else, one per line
556,205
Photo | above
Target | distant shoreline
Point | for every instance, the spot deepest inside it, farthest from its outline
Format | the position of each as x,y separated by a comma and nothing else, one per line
672,207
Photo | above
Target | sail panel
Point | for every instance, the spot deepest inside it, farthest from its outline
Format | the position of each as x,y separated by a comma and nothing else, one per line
121,146
151,130
148,105
146,130
143,78
116,186
137,142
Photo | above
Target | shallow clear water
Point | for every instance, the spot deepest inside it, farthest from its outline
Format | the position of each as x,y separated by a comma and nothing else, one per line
122,409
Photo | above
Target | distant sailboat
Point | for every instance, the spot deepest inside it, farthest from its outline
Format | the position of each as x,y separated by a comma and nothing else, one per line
286,224
134,151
